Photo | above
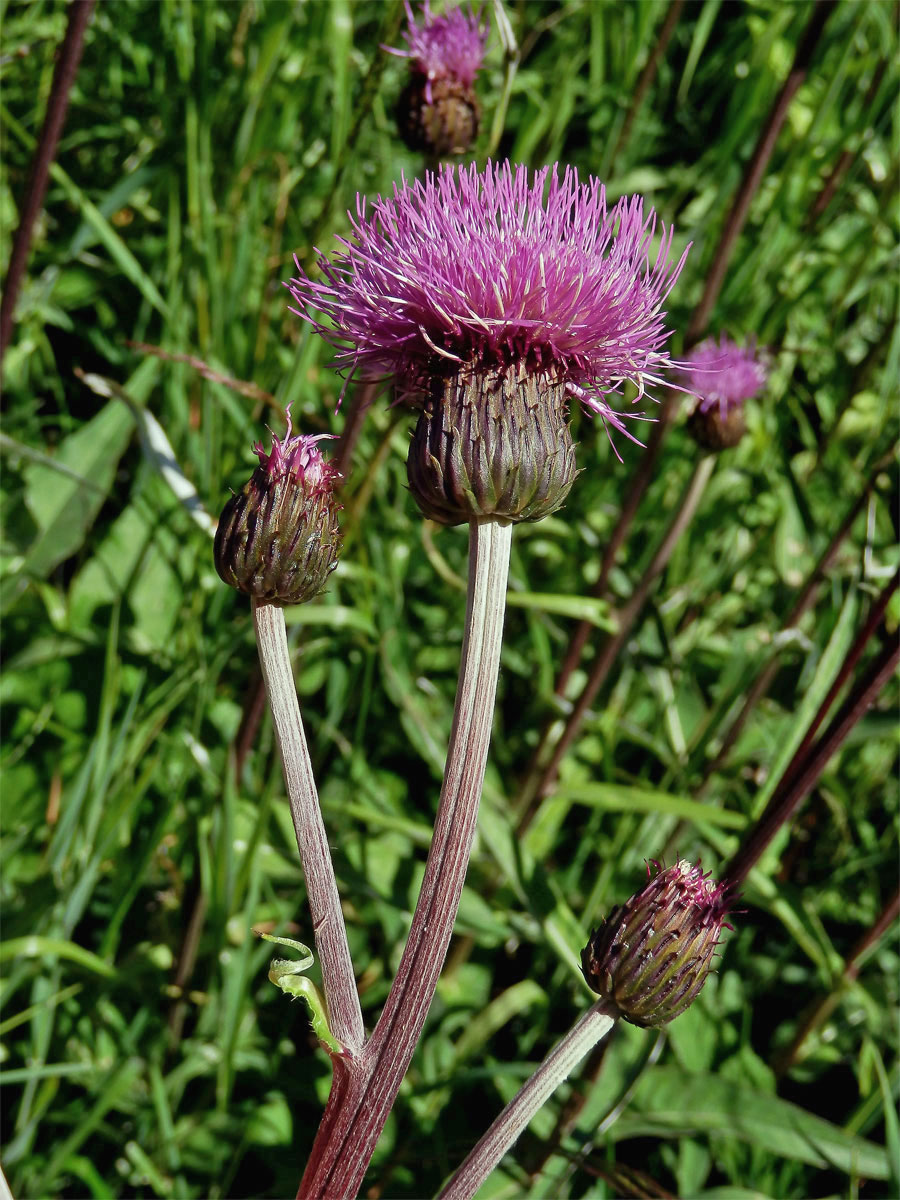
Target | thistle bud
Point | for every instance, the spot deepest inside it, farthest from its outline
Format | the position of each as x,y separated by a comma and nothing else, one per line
438,117
492,444
278,539
651,955
717,429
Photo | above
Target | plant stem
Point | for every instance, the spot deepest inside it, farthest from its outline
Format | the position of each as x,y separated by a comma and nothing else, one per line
640,481
804,602
756,169
57,107
540,784
646,77
556,1067
807,765
825,1005
364,1089
339,981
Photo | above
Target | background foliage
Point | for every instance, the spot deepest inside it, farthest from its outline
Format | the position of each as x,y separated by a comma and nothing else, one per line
145,827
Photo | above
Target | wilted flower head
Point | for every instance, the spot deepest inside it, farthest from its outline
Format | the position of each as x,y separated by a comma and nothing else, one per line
651,955
722,375
444,47
278,538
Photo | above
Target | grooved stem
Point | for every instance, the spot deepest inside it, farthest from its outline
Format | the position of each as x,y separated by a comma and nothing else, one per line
57,106
364,1089
556,1067
344,1013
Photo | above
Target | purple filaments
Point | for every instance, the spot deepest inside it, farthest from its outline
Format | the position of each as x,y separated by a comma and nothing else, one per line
479,269
445,47
299,455
723,374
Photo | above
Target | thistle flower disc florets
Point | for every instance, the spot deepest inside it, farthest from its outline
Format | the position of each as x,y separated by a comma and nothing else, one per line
722,375
477,270
444,47
278,539
651,956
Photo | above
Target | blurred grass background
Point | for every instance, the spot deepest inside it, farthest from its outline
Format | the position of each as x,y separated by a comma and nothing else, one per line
145,829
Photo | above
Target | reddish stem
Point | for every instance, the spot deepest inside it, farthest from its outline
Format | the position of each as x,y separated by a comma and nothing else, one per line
36,190
364,1089
803,773
804,602
627,616
756,169
646,77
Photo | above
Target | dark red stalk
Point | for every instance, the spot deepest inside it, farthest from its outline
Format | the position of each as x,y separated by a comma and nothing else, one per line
842,166
640,481
45,152
365,1086
534,792
734,223
360,401
803,773
756,169
646,77
825,1005
872,621
804,602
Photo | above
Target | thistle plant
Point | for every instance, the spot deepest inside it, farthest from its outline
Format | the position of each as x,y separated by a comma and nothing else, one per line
648,961
278,541
492,299
438,111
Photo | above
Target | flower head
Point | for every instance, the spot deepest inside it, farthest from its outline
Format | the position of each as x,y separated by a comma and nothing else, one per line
278,538
478,270
724,374
651,955
445,47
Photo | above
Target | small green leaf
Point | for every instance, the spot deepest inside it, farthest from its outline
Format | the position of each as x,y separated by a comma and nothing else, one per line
287,973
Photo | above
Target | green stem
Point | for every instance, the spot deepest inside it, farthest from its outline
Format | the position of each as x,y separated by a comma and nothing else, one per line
556,1067
339,981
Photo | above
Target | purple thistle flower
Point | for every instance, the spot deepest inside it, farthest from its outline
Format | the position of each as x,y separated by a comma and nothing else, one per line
481,270
652,955
723,374
446,47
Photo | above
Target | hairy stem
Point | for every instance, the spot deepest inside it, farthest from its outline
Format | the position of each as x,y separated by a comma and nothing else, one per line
344,1013
362,1098
554,1070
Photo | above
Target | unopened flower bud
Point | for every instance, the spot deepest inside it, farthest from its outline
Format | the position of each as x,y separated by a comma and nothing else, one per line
438,117
713,429
492,444
651,955
278,539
